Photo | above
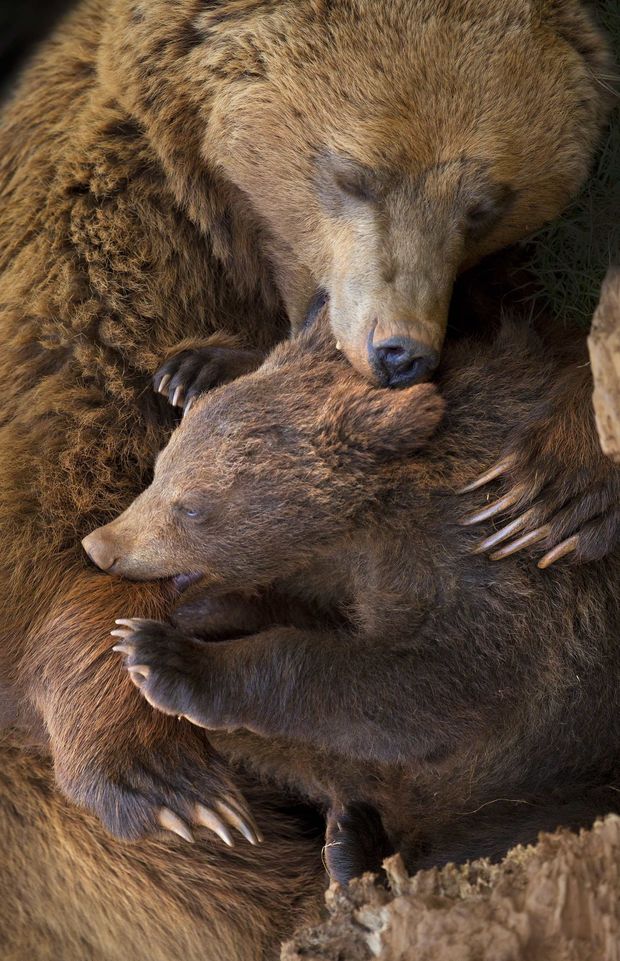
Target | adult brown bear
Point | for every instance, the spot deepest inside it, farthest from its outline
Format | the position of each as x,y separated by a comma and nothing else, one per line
168,169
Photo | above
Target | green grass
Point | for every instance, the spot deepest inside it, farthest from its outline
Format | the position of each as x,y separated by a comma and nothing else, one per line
570,257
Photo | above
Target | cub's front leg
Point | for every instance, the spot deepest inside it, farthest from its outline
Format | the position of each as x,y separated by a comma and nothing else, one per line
348,695
215,617
205,614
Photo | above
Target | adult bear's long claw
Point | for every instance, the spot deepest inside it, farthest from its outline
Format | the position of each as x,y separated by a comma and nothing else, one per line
526,540
170,821
497,507
503,534
502,467
561,550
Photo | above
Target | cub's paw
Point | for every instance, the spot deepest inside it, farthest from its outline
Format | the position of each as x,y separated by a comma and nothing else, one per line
179,787
169,668
569,512
158,777
191,372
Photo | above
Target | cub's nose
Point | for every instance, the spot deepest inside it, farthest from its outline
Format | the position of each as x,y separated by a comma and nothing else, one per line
100,549
401,361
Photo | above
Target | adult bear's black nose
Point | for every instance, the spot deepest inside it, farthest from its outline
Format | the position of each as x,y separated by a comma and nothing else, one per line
401,361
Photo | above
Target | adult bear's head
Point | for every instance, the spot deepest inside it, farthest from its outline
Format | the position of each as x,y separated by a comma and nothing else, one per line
388,144
368,149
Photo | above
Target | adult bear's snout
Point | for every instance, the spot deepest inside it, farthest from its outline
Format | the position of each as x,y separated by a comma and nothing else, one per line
402,361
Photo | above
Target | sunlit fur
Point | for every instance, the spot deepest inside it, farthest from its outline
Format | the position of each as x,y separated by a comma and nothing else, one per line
129,220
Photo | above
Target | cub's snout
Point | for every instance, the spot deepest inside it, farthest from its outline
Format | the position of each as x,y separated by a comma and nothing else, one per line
102,548
147,542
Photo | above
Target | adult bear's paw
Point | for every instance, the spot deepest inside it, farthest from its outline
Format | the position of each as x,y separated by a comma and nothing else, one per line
561,499
192,371
162,776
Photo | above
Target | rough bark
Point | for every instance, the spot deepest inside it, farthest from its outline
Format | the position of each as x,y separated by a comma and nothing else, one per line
604,343
556,901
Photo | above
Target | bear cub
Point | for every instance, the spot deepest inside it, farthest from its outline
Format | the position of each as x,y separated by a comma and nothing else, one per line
344,620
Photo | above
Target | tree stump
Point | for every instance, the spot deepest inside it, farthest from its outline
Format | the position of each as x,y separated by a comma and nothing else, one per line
556,901
604,344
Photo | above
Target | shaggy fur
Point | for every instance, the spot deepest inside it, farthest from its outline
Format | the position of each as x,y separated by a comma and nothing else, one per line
472,704
132,216
379,188
126,225
71,892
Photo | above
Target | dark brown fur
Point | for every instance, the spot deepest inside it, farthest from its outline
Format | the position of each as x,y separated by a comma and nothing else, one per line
472,704
128,222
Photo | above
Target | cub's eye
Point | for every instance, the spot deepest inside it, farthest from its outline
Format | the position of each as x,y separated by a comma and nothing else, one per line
188,510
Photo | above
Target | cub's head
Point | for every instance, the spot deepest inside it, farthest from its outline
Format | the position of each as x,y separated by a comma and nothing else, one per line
267,473
387,146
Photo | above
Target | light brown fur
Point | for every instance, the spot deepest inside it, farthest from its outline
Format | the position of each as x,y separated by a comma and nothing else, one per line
71,892
479,96
130,218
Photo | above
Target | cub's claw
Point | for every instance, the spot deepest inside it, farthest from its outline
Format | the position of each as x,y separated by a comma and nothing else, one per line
241,820
160,384
209,819
206,817
227,813
502,535
178,397
127,625
170,821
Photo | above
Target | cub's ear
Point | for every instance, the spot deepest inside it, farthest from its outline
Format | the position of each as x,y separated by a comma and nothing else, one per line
390,423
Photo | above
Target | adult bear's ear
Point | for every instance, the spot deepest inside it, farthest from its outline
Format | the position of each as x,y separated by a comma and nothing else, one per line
390,423
576,24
